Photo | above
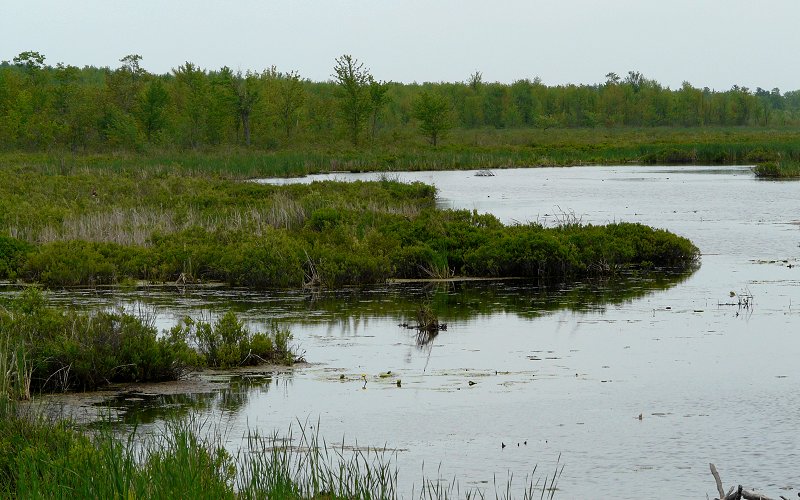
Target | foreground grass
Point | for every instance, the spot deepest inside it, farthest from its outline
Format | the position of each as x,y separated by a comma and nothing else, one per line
40,459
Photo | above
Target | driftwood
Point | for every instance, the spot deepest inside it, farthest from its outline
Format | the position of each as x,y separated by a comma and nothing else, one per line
737,494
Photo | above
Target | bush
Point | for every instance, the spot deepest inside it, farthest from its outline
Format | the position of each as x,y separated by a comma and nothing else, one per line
12,252
227,343
67,350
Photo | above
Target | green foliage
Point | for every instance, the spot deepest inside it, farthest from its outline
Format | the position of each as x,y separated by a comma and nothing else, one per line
148,224
433,112
66,108
355,100
71,350
228,343
40,459
779,169
46,349
12,252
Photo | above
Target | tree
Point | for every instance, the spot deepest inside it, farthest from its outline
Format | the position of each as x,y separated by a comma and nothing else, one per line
152,107
30,60
475,80
433,112
353,81
246,95
378,98
291,96
190,98
125,83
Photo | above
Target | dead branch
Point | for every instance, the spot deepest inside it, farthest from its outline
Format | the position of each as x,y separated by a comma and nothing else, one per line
740,492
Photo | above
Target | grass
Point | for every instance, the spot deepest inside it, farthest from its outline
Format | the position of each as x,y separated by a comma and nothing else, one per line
43,459
780,169
465,149
49,349
89,227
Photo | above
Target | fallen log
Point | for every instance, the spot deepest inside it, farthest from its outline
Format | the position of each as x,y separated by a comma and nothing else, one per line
739,494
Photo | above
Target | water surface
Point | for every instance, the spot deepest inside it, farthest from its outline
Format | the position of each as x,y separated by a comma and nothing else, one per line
565,369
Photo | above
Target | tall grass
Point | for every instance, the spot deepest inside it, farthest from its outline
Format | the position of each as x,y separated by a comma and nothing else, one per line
781,169
466,149
52,460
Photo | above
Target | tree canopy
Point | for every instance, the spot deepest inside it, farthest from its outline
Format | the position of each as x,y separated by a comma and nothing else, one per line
96,109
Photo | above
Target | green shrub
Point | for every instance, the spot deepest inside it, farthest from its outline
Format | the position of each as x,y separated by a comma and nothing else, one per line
227,343
12,252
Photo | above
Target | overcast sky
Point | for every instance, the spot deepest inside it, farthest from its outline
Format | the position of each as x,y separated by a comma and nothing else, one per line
714,43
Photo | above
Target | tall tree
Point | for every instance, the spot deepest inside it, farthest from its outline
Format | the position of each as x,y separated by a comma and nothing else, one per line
246,94
190,98
377,99
291,96
433,112
152,108
353,80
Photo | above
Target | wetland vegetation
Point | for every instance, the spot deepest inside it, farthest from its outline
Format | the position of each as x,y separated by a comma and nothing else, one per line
116,175
779,169
95,226
44,348
274,123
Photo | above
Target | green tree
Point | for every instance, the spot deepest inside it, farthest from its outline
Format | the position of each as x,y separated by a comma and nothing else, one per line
433,112
30,60
378,99
291,97
353,80
246,94
152,108
190,98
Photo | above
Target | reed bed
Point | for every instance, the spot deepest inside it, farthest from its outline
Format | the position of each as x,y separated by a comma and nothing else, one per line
46,459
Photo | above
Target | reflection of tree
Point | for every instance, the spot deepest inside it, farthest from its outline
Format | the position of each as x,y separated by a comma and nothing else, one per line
352,308
467,299
136,408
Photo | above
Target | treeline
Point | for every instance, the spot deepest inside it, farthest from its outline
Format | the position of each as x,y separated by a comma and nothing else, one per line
44,107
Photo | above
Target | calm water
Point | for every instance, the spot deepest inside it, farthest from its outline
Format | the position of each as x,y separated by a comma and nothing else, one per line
567,370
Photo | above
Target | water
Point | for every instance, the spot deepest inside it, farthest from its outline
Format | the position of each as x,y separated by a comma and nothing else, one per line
563,371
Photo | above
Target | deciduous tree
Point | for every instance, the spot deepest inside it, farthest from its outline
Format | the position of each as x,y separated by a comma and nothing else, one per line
353,81
433,112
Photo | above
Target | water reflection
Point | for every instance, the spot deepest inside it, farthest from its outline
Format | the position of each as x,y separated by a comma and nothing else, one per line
349,310
144,405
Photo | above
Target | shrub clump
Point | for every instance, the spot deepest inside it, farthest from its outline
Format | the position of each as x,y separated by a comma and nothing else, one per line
228,342
48,349
779,169
12,252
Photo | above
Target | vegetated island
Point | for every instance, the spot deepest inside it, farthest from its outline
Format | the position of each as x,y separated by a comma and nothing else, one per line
79,227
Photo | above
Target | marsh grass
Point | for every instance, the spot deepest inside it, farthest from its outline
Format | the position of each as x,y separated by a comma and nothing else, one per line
47,349
780,169
102,227
45,459
465,149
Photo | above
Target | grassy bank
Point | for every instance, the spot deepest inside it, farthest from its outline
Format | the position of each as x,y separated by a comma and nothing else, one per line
89,226
47,349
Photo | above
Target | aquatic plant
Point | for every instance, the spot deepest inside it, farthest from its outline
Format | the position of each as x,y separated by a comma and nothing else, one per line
779,169
50,349
45,459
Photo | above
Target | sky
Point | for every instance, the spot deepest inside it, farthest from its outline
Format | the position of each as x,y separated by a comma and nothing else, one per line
709,43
